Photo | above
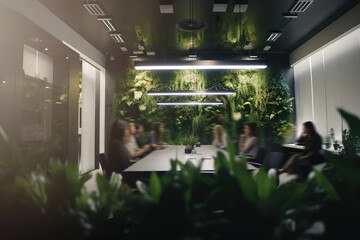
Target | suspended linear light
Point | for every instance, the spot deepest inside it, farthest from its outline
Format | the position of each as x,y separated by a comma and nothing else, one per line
189,103
107,23
201,65
189,93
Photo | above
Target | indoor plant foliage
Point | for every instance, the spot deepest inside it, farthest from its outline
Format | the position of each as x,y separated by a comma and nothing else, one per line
261,96
186,204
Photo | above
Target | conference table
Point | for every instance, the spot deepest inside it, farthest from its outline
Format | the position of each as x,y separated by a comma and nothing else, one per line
300,148
160,161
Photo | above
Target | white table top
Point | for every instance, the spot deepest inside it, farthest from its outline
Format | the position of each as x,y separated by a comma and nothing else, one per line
159,160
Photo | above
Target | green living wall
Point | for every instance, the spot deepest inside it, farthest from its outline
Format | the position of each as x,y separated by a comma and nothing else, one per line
261,96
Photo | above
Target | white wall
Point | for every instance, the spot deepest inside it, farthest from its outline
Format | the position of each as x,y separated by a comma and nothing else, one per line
326,80
87,158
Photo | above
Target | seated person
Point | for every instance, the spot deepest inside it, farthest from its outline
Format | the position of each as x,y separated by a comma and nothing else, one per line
220,140
118,154
132,145
155,138
139,130
303,161
249,142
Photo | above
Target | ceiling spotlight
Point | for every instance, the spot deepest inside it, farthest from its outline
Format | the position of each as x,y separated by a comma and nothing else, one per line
94,9
240,6
46,49
220,5
67,58
117,37
301,6
273,36
166,6
107,23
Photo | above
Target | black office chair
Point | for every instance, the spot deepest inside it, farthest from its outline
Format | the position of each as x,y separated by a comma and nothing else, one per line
270,159
104,162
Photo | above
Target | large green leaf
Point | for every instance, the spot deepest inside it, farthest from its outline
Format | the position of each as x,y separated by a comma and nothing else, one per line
326,185
352,120
155,187
265,185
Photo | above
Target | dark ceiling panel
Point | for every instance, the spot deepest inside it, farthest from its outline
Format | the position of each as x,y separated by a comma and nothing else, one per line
141,22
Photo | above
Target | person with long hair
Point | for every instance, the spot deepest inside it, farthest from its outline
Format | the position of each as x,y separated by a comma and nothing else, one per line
135,150
312,141
155,138
118,154
219,137
249,142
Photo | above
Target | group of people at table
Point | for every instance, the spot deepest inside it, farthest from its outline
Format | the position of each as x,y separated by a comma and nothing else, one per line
125,146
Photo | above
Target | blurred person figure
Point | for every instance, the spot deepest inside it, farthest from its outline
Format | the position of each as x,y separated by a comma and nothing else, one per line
303,161
118,154
219,137
133,146
249,141
155,138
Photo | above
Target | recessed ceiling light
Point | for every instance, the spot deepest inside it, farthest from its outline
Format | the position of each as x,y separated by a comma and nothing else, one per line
240,6
136,52
94,9
301,6
107,23
117,37
133,56
273,36
67,58
124,49
166,6
35,39
267,48
290,15
3,81
46,49
220,5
